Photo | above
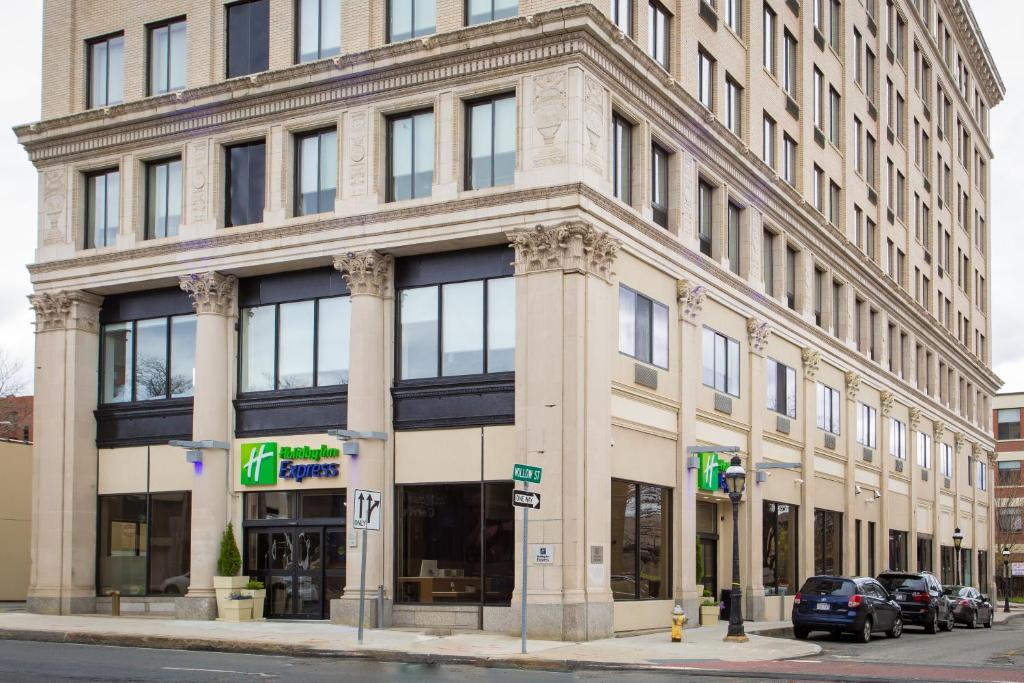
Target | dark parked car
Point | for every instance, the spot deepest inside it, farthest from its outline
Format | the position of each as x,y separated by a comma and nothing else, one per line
921,600
969,606
838,604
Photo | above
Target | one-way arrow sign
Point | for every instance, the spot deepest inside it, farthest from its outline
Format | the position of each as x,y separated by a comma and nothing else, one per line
526,499
367,504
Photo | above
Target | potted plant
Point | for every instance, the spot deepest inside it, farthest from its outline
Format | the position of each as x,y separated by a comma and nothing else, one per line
708,610
237,607
258,592
227,582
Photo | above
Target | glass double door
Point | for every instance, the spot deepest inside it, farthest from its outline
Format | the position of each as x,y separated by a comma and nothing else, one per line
302,567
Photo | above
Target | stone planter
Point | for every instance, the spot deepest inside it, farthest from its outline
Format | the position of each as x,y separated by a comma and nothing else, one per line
259,596
225,586
709,615
237,610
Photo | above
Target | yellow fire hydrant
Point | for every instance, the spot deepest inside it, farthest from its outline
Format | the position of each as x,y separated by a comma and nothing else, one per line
678,619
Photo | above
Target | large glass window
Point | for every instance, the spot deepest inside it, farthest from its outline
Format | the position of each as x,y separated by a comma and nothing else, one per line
733,106
924,553
106,71
462,328
782,388
456,543
641,531
622,15
295,345
622,159
491,148
897,439
924,450
733,216
168,57
779,548
102,208
319,26
1008,473
721,369
643,328
411,19
658,35
144,544
828,408
946,459
705,79
163,198
1008,420
317,171
867,418
705,217
248,37
245,184
410,155
480,11
898,550
828,542
659,184
149,359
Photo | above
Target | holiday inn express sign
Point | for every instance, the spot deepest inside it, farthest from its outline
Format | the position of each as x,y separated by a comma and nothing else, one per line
265,462
711,467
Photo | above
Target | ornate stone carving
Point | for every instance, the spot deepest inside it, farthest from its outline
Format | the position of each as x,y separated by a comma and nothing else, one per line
852,384
66,310
939,429
959,439
758,331
357,153
977,452
550,111
210,292
887,399
691,299
54,202
915,419
199,170
593,119
812,362
572,246
366,272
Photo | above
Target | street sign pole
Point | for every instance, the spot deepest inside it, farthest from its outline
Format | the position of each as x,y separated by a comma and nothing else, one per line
526,540
362,587
366,503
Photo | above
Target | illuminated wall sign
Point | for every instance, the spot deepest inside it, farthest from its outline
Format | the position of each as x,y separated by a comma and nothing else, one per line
265,462
710,473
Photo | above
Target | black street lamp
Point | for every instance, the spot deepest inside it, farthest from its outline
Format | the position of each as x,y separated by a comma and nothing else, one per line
735,475
1006,578
958,540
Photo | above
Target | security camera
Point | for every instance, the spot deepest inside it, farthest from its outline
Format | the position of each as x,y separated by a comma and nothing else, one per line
858,489
798,482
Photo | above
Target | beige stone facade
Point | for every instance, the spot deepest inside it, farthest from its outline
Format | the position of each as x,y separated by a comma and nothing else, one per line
16,518
852,300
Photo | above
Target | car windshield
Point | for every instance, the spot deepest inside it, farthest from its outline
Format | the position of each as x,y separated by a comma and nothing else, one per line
909,583
955,590
829,586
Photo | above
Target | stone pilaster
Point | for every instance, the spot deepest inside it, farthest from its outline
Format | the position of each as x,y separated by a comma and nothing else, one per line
886,401
811,363
369,276
938,432
565,303
213,298
758,333
853,455
64,456
913,424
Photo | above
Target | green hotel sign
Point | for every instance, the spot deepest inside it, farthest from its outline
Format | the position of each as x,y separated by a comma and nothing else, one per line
526,473
709,468
265,462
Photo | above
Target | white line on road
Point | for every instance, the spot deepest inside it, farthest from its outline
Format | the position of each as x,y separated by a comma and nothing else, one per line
220,671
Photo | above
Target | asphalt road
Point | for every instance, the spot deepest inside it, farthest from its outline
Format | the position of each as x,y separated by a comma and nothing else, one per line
963,656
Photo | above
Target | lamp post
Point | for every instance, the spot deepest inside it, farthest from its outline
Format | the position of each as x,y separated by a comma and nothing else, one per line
958,539
735,475
1006,578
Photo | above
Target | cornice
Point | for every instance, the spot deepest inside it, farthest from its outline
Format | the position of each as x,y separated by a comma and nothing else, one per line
974,41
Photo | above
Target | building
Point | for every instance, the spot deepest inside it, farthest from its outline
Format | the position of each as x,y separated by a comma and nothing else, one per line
16,418
581,237
1009,494
15,518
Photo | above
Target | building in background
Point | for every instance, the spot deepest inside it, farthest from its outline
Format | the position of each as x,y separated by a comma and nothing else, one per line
581,237
16,418
1009,490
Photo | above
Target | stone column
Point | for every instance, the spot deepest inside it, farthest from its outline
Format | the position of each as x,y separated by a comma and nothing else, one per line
758,332
886,399
369,278
937,481
565,307
688,588
960,483
811,362
64,457
913,423
213,298
853,454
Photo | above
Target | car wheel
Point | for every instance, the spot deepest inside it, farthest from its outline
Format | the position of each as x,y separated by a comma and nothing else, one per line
801,633
933,623
947,625
897,628
973,623
988,624
865,633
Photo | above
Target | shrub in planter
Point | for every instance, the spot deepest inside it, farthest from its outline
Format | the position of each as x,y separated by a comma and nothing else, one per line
227,581
257,591
708,610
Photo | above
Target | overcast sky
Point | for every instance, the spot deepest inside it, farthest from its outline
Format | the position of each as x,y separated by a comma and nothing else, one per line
1002,22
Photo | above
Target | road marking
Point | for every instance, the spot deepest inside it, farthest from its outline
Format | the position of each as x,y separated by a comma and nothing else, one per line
220,671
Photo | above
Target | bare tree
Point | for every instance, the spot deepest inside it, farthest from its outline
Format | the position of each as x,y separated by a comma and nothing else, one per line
11,381
15,411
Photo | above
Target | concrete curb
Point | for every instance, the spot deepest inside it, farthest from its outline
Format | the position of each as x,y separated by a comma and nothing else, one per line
282,650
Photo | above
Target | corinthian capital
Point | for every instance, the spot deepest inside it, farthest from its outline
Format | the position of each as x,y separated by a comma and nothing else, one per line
939,429
758,331
691,299
572,246
365,272
852,384
915,418
210,292
812,362
66,310
888,399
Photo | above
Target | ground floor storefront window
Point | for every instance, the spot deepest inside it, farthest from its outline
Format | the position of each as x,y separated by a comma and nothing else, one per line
707,546
294,542
946,555
779,548
898,551
641,549
983,571
924,553
828,542
144,544
456,543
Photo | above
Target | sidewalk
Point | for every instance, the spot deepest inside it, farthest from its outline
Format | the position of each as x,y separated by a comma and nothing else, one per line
323,639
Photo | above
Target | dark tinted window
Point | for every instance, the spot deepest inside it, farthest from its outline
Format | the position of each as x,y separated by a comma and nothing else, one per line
828,586
896,582
248,37
245,183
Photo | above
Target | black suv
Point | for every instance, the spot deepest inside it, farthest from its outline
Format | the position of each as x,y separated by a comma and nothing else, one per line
921,599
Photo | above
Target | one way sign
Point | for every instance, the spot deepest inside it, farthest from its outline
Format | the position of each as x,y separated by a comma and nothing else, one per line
367,510
526,499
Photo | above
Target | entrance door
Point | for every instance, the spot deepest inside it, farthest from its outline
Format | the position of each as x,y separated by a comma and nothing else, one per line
291,562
